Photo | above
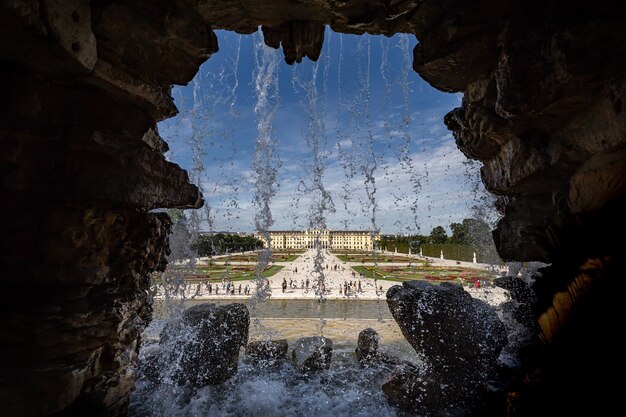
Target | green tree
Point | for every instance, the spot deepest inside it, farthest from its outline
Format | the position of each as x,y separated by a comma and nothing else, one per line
438,235
460,233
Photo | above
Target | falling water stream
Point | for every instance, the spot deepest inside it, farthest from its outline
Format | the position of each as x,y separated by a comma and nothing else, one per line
265,163
333,145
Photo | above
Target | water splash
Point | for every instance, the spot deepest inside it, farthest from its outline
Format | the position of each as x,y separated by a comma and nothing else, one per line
285,392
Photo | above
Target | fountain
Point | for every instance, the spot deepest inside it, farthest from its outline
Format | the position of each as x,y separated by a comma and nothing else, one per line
276,359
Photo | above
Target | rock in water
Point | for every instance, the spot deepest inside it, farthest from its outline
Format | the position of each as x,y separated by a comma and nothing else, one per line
268,352
460,339
312,354
203,348
402,387
367,352
367,346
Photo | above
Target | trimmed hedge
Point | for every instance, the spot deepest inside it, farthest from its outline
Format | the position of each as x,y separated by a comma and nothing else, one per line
403,247
451,251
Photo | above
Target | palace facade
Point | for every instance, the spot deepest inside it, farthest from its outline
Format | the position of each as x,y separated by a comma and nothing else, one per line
327,239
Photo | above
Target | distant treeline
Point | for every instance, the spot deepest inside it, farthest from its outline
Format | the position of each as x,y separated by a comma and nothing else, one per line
222,243
469,236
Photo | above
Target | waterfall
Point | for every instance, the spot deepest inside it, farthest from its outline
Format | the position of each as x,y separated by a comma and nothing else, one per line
404,151
343,136
384,106
266,162
315,138
230,181
343,141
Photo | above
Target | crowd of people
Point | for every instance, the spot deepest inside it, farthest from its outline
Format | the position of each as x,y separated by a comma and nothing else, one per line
293,284
301,280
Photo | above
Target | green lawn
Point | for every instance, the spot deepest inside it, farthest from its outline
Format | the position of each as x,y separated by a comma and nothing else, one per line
232,272
379,258
272,270
370,272
284,257
428,273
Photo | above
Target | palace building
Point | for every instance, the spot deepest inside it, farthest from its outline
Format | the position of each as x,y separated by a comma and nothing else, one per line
327,239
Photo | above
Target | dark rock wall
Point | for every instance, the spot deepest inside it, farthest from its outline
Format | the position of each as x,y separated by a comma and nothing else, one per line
544,114
544,86
81,162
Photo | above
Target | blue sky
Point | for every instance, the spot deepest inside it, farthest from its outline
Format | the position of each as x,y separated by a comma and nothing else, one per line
368,111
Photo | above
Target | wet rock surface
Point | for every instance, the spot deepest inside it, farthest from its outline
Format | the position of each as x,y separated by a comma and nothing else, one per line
312,354
406,390
367,345
267,352
202,348
368,354
459,338
547,121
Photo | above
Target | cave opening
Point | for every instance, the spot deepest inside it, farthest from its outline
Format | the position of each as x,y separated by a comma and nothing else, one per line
84,176
342,169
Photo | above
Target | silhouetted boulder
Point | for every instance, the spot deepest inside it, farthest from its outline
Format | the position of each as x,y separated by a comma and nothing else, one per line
267,352
203,348
459,338
367,346
312,354
405,388
518,288
367,352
